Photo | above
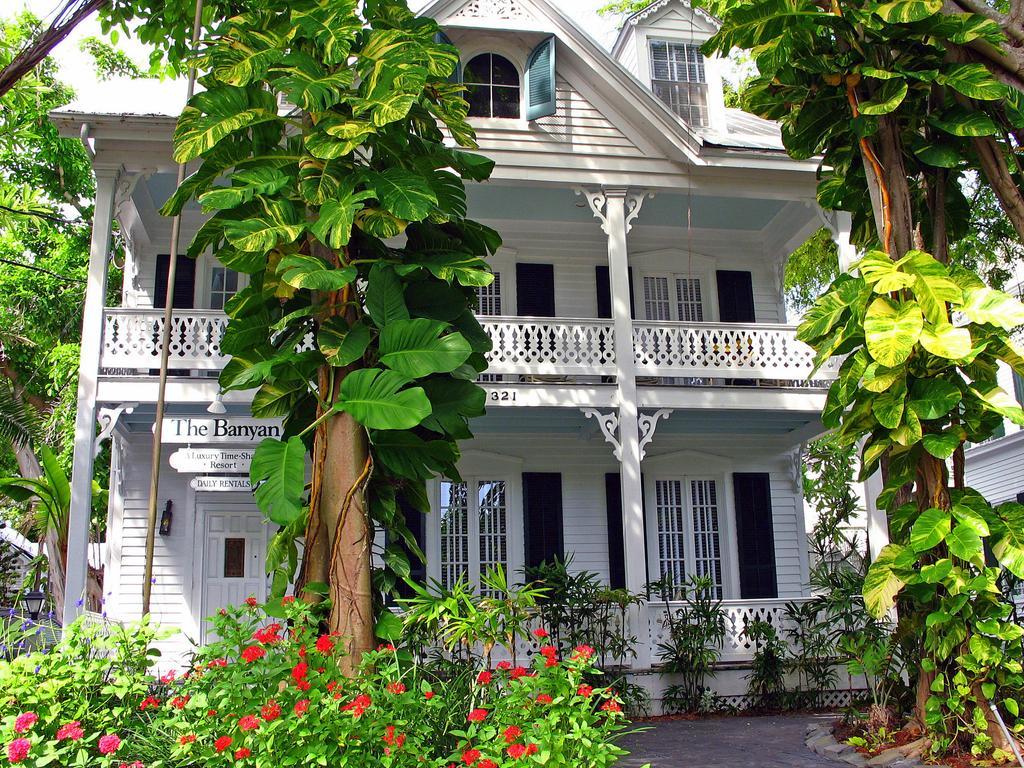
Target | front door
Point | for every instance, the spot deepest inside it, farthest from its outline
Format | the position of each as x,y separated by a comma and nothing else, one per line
235,545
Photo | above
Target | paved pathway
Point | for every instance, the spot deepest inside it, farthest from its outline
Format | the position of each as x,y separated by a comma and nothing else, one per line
726,742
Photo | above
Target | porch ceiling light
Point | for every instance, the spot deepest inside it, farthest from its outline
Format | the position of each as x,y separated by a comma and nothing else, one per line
217,405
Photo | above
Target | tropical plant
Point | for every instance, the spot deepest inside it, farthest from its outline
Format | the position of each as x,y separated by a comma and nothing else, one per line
347,210
766,681
811,653
878,659
692,644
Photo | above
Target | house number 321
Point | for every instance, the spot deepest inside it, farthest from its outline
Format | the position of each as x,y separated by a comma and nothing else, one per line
501,396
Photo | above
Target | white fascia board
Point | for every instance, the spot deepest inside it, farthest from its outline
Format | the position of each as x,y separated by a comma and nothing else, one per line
810,402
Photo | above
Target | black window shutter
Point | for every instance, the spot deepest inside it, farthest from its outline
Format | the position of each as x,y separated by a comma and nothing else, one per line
755,535
183,296
416,522
604,292
542,517
616,554
735,296
1020,498
535,290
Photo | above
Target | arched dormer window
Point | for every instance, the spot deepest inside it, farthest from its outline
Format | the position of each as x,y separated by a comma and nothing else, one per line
492,86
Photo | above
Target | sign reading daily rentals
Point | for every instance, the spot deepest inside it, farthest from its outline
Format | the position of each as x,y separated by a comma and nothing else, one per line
207,460
225,483
219,429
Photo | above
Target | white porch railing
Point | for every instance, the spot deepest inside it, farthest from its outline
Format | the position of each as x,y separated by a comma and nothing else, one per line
738,613
724,350
522,346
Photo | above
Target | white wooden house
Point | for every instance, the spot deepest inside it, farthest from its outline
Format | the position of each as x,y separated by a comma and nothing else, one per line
646,399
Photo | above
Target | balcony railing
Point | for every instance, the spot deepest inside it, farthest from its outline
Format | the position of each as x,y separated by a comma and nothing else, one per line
564,347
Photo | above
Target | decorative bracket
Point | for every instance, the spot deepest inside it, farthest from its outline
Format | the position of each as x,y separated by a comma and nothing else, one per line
597,199
107,418
796,466
609,423
126,184
648,423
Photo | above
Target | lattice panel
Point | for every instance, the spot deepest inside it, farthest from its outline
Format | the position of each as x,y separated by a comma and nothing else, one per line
737,615
131,339
564,347
725,351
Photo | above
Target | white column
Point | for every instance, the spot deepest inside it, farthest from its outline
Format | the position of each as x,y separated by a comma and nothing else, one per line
841,228
633,534
877,522
88,373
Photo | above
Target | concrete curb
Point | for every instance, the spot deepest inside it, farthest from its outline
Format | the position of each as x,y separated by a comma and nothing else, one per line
819,739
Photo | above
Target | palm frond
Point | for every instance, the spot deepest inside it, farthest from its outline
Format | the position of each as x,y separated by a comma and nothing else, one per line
19,421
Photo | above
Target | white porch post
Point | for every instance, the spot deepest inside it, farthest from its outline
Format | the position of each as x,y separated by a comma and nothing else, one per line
877,521
841,226
617,208
88,373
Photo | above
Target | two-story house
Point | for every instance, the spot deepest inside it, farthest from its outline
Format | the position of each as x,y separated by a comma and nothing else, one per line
647,401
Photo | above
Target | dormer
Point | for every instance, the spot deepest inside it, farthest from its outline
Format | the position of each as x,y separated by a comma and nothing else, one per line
660,46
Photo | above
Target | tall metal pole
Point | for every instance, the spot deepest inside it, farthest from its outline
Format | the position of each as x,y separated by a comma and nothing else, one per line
165,342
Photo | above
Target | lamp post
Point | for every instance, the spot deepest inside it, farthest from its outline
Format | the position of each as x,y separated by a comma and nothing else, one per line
33,602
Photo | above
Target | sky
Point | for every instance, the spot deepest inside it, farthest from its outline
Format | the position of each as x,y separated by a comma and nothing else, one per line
77,71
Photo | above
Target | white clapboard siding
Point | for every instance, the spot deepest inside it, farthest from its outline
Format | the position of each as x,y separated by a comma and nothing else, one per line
996,469
789,540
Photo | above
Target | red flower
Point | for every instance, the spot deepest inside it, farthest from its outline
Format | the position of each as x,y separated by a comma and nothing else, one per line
611,706
515,751
252,653
428,695
268,635
134,764
540,633
582,652
299,671
477,715
550,661
483,678
396,688
72,731
548,650
287,599
217,663
487,764
504,665
241,754
18,749
270,711
303,685
24,721
470,756
518,672
188,738
301,706
512,733
585,691
248,723
222,743
251,601
543,698
179,702
386,647
324,644
531,749
211,713
169,677
109,743
358,705
392,738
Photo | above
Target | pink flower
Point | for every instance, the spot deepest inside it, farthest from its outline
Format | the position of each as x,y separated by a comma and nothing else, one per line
134,764
248,723
169,677
477,715
24,721
109,743
18,749
71,731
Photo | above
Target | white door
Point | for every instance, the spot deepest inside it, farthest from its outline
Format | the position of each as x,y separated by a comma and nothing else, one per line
235,550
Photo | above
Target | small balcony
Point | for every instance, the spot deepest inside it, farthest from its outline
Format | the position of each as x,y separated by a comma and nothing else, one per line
551,350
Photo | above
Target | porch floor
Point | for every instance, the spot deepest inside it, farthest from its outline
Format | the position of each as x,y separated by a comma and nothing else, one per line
725,742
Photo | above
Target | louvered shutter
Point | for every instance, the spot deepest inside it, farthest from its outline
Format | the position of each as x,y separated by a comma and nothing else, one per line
416,522
755,535
183,295
456,76
542,517
735,296
616,545
604,292
540,81
535,290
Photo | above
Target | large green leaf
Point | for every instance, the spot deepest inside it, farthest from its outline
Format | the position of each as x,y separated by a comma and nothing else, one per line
278,474
987,305
253,51
996,399
974,81
930,528
406,454
309,85
829,309
1008,545
340,344
332,27
933,398
277,223
962,122
377,400
886,99
965,543
943,444
211,115
882,273
334,225
322,180
944,340
892,329
906,11
933,287
888,406
452,401
416,348
245,184
406,194
385,301
882,583
972,518
301,270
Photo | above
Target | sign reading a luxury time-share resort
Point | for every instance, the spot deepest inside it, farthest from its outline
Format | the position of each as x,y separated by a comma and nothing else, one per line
203,460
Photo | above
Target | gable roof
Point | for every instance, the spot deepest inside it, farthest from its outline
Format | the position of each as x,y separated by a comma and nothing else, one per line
544,16
652,12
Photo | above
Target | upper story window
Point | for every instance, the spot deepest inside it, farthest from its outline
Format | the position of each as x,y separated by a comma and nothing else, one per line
677,78
223,285
492,86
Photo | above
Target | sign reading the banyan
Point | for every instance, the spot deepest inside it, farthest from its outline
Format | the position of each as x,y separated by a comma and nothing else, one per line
219,429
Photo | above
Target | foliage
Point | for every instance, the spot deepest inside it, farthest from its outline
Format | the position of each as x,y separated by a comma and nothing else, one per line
10,572
878,658
811,648
915,388
694,634
85,690
766,681
108,61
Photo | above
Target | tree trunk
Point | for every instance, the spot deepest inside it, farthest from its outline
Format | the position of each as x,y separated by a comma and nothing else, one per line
343,515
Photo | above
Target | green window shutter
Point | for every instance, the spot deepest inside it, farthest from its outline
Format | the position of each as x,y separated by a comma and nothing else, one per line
441,37
540,81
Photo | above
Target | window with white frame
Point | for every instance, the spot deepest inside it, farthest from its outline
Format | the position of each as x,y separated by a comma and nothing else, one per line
489,298
223,285
686,305
688,520
678,79
474,521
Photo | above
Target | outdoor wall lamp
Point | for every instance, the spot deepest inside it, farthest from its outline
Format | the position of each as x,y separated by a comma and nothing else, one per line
33,602
166,518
